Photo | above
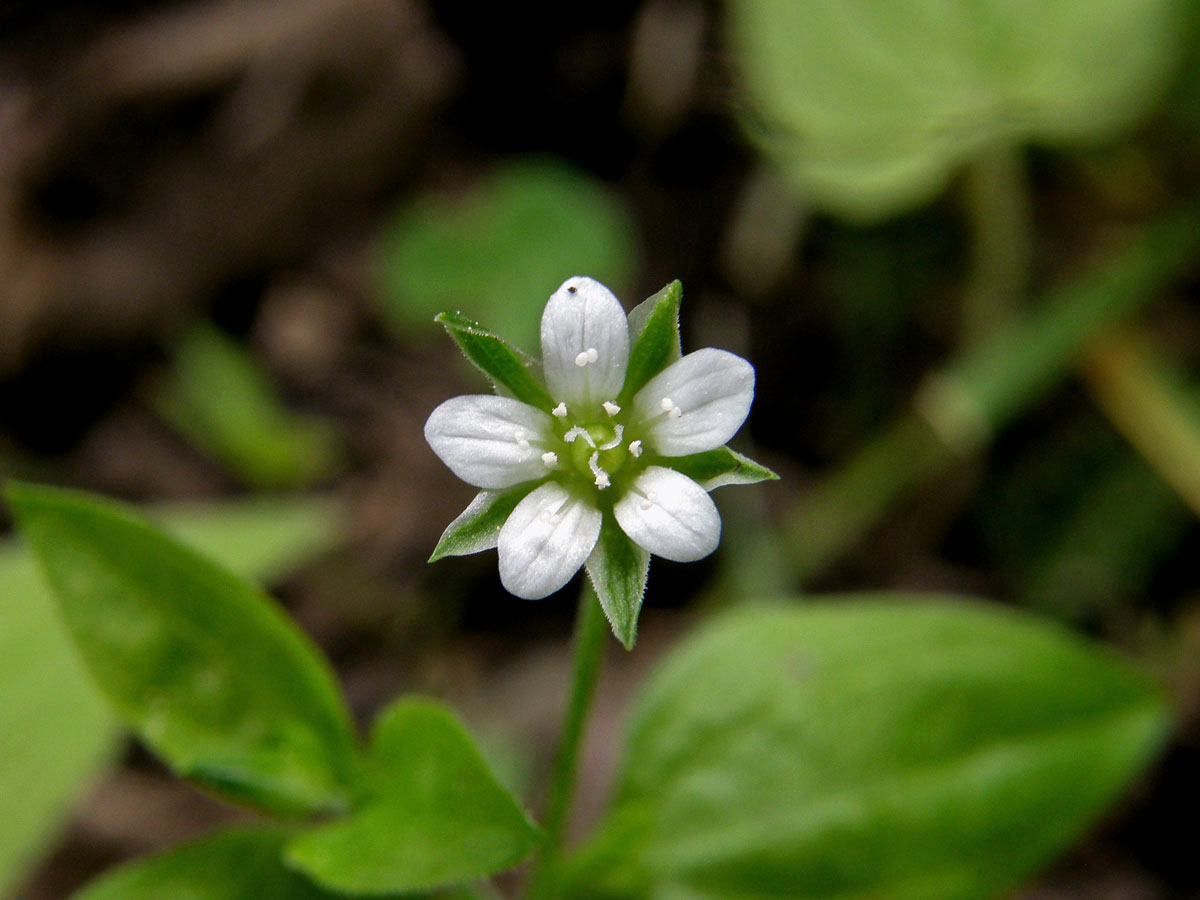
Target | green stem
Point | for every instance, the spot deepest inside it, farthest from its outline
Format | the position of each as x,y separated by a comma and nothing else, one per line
591,629
998,210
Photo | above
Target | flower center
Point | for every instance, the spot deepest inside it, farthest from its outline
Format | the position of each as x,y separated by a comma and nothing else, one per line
592,451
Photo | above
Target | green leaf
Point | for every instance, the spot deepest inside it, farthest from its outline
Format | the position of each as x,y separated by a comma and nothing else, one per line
653,337
435,815
498,360
717,468
870,107
476,528
618,569
201,664
239,864
499,249
901,746
223,402
59,731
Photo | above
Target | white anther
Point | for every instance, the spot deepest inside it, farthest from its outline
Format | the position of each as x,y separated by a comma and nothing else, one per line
666,404
560,411
550,459
590,355
523,445
593,354
675,412
578,432
611,408
646,505
635,449
616,441
602,480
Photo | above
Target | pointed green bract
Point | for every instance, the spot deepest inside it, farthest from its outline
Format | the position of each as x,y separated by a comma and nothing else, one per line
717,468
930,748
200,663
653,338
498,360
239,864
479,524
618,568
434,814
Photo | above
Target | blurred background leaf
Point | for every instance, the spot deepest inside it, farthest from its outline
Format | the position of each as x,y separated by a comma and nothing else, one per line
498,250
872,106
218,396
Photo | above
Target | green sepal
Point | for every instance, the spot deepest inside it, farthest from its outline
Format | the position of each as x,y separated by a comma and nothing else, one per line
238,864
475,530
433,814
199,662
618,568
503,363
717,468
653,338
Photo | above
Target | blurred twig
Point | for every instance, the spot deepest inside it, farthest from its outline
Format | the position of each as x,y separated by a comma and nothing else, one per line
959,409
1128,384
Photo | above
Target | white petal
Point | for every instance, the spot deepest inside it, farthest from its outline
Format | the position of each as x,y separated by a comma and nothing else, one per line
490,442
545,541
712,389
670,515
585,343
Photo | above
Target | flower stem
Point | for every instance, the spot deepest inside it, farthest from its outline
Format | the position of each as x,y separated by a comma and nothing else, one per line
591,629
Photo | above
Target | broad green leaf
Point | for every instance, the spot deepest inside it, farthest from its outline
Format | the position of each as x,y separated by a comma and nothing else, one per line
717,468
222,401
497,359
435,815
498,250
906,747
58,729
239,864
618,569
871,105
479,524
653,337
201,664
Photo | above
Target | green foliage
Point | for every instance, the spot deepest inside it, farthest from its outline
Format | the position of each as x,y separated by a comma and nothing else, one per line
871,105
202,665
242,864
58,730
224,403
479,524
618,568
916,748
434,814
717,468
653,337
499,251
506,366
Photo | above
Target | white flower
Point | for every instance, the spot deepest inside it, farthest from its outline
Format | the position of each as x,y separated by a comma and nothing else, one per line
593,452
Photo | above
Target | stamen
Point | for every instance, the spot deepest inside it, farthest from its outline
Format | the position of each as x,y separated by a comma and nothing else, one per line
667,405
635,449
576,432
523,445
602,480
550,459
616,441
559,411
590,355
611,408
